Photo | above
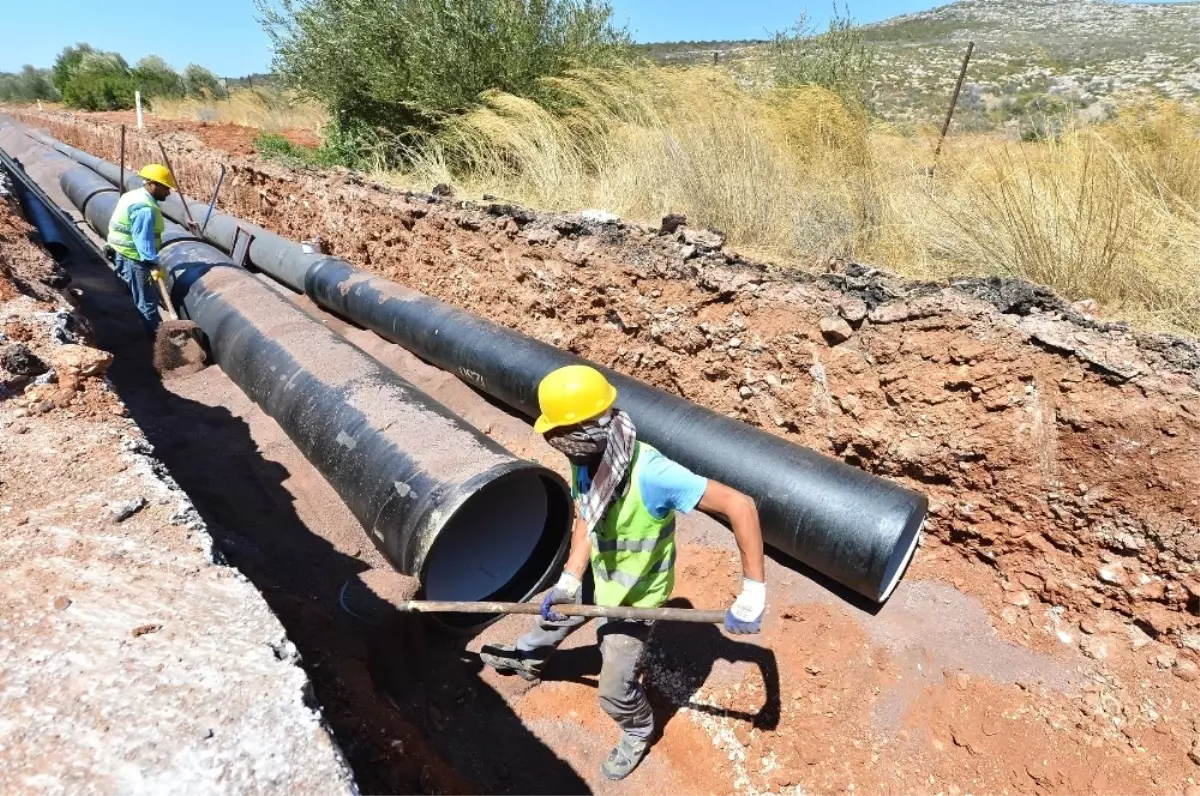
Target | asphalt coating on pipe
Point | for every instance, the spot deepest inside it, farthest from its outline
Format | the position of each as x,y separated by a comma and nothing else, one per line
435,495
856,528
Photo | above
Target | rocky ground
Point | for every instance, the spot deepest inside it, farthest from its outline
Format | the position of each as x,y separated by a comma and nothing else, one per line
134,661
1046,638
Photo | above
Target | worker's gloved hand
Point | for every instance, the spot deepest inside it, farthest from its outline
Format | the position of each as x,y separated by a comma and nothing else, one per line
156,274
565,591
746,613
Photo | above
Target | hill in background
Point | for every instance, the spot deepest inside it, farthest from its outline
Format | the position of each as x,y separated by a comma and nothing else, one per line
1030,56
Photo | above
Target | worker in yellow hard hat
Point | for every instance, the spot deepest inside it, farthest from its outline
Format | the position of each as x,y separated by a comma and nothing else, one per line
627,495
135,236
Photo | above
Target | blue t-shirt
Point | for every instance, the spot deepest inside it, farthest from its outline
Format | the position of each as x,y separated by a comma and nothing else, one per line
141,219
665,485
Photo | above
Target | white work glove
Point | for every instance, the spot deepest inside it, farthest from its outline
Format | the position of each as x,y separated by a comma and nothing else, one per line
565,591
746,613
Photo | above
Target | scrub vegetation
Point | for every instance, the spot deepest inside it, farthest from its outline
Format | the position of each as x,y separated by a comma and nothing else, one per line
1078,172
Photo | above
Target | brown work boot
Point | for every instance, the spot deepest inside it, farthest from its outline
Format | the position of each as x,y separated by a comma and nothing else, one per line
510,660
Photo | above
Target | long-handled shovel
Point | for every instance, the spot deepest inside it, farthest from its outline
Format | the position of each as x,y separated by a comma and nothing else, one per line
622,612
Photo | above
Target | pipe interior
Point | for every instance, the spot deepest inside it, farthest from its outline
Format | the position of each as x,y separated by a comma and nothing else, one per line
902,553
501,542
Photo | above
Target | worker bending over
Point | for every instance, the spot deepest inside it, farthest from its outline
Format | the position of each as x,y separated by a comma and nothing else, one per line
135,236
628,494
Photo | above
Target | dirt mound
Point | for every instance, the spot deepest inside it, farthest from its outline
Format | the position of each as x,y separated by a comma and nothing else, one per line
179,348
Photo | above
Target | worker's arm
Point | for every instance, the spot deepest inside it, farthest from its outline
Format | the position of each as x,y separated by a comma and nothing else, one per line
742,514
581,550
667,486
571,580
142,222
746,613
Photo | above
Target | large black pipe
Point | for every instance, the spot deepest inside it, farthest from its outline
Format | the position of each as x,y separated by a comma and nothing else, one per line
444,502
854,527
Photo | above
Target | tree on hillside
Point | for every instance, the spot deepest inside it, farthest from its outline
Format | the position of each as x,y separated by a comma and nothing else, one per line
199,81
66,63
156,78
398,64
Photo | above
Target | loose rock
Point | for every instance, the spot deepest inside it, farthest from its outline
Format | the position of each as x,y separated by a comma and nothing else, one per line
18,360
671,222
80,360
853,310
835,330
704,240
123,511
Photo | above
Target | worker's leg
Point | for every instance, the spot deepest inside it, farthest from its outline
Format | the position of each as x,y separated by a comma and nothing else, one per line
145,293
622,644
121,265
534,648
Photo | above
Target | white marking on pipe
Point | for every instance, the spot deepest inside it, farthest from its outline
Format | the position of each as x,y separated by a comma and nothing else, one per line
346,441
403,489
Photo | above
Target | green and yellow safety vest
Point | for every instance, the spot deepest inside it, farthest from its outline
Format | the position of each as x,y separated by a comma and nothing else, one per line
633,553
120,226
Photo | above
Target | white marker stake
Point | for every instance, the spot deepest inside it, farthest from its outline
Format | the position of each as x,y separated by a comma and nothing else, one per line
137,99
40,108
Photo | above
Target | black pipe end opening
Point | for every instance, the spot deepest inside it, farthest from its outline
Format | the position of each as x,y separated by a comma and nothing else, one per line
505,542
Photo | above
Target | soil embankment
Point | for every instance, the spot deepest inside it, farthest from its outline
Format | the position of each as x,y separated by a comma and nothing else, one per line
134,661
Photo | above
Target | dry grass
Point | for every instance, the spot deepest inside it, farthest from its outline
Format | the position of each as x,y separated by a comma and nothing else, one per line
1108,213
270,110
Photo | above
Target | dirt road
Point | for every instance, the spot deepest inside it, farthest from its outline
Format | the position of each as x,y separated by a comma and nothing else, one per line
1044,640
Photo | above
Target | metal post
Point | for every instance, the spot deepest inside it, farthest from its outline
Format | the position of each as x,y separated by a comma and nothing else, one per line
191,222
954,100
122,153
213,202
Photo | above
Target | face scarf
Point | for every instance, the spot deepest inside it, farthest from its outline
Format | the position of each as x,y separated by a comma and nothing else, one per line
610,440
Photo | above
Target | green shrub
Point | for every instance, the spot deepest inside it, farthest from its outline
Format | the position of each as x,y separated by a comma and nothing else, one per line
93,80
156,78
100,92
385,68
28,85
276,147
838,60
200,81
66,63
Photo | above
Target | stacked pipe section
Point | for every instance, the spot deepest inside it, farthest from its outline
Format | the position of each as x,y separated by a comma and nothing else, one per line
851,526
444,502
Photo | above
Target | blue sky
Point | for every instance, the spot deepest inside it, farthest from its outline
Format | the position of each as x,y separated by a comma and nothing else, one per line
225,36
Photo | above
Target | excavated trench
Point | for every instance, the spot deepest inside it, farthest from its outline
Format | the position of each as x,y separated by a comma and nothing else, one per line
1021,419
1058,451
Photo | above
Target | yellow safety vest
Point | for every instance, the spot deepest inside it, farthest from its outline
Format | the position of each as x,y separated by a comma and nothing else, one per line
120,226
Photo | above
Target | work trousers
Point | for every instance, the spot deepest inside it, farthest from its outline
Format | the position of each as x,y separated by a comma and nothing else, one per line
136,275
622,643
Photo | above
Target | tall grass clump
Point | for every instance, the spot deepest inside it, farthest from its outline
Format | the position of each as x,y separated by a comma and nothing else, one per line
268,109
1108,213
643,142
796,175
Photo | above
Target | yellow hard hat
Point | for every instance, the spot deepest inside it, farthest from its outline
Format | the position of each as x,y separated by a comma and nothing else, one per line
572,395
158,173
